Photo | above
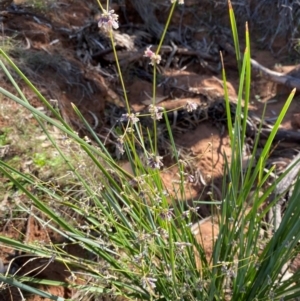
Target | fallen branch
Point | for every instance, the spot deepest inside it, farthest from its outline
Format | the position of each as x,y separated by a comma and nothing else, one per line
281,187
277,77
283,135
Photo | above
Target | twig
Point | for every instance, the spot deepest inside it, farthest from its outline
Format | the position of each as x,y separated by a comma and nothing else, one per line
170,58
276,77
285,135
96,121
282,186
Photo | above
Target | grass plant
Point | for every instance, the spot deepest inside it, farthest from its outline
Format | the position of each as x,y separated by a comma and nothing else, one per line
137,236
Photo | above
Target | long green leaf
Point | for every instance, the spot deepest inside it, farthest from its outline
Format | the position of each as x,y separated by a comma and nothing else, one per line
13,282
235,35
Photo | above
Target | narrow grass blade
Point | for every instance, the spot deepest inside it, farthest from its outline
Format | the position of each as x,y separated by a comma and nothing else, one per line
247,55
270,139
13,282
227,102
235,35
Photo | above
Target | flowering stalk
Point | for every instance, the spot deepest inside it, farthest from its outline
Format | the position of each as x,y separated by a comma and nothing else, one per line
100,5
154,70
153,103
109,21
167,25
120,72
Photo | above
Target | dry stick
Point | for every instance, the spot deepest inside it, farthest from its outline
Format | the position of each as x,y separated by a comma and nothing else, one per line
282,186
276,77
173,52
274,215
282,135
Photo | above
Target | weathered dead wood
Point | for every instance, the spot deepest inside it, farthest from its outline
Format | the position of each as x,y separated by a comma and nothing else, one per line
283,135
276,77
281,187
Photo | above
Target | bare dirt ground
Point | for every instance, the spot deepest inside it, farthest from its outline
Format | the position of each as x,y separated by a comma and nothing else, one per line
62,51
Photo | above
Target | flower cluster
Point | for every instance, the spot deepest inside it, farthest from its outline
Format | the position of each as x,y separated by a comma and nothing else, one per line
108,20
148,282
155,161
154,58
190,178
129,117
120,145
179,1
227,270
156,112
167,214
191,106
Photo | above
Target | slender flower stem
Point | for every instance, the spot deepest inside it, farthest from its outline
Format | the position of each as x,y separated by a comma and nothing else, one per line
154,72
100,5
119,72
166,28
154,102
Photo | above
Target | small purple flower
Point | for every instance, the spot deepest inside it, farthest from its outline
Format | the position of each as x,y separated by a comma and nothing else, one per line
129,117
167,214
156,112
190,178
148,52
191,106
154,58
108,20
155,161
162,233
148,282
186,214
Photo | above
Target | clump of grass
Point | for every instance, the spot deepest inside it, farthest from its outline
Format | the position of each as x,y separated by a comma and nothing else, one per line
138,237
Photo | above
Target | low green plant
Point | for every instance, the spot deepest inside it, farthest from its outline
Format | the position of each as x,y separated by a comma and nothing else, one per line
138,237
3,137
